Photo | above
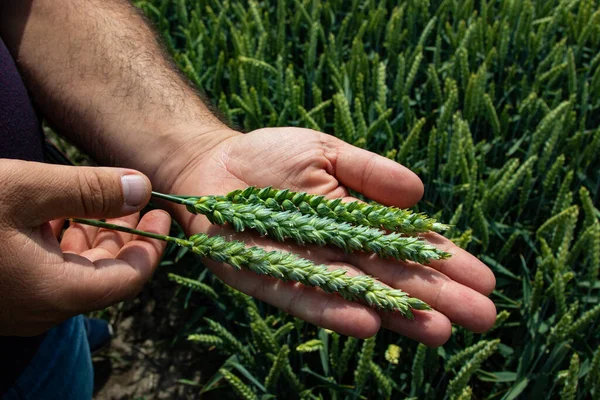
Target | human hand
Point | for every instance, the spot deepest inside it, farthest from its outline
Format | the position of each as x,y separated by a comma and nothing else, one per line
306,160
42,284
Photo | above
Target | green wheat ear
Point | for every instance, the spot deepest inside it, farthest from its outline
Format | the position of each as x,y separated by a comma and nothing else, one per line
357,213
571,380
318,230
362,371
460,381
240,388
287,267
303,228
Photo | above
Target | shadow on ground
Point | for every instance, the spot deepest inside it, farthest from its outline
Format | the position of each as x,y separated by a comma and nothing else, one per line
149,355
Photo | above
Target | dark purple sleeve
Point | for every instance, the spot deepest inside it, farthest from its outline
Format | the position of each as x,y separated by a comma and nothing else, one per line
20,129
20,137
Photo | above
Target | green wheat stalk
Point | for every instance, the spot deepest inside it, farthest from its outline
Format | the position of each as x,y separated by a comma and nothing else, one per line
355,212
384,383
303,228
194,285
570,384
362,371
287,267
241,389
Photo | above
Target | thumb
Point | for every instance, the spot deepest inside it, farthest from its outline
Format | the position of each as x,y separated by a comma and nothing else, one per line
39,193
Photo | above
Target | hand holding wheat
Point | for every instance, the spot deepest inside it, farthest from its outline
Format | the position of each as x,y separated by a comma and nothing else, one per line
308,161
42,283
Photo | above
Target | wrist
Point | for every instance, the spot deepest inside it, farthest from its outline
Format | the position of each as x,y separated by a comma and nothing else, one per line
184,152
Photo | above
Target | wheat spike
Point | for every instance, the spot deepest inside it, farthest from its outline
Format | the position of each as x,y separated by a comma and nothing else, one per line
277,368
383,382
358,213
310,346
347,352
417,371
592,379
570,385
207,340
240,388
460,381
230,341
194,285
287,266
362,371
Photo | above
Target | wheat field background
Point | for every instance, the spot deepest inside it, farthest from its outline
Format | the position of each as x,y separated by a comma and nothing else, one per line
494,104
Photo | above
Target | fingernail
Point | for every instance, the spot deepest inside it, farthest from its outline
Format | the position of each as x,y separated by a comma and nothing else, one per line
135,190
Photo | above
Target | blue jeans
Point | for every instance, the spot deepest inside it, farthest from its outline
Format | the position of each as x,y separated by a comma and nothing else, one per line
61,368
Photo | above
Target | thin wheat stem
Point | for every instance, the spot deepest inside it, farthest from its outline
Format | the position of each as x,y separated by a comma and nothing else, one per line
288,222
173,198
287,267
114,227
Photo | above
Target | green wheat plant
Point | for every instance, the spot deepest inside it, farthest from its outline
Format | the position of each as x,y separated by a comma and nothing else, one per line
372,215
241,389
287,267
310,346
194,285
571,380
459,382
304,228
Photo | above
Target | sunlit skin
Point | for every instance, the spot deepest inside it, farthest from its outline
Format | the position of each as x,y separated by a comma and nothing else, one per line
305,160
41,285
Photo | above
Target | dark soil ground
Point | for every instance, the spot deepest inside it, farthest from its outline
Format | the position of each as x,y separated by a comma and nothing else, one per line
149,355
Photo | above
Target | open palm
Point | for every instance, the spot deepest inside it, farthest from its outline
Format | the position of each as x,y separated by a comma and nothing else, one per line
306,160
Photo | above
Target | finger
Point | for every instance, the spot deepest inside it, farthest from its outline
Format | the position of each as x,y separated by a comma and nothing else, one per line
462,267
431,328
78,238
90,286
316,306
377,177
109,242
461,304
57,227
157,221
326,310
56,191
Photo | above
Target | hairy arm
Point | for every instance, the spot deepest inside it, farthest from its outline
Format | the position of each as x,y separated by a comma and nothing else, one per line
99,75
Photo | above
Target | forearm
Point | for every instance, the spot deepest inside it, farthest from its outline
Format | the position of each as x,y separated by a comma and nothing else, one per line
98,74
